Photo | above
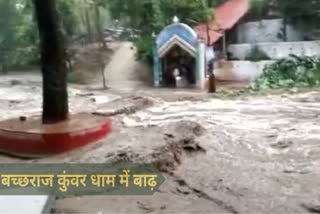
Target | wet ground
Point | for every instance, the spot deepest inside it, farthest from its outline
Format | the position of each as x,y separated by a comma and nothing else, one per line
244,154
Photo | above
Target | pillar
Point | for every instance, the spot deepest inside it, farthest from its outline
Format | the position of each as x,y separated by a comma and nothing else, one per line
156,67
201,66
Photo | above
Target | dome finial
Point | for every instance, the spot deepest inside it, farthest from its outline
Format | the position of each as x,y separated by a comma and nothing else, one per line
176,19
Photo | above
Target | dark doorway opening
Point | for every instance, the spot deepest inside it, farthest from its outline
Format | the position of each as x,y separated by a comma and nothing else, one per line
179,60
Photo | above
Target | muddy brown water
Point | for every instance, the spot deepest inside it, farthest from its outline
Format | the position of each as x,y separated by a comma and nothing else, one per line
256,154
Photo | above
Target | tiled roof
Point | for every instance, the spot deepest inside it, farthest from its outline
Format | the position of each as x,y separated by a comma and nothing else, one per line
226,16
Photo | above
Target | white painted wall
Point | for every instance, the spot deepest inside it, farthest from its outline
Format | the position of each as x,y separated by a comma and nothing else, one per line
277,50
266,31
239,70
264,35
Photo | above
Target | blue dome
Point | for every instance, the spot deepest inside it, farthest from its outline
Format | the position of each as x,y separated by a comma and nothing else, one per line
177,29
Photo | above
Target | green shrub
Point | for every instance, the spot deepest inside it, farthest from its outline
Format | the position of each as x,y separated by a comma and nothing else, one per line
144,49
288,73
20,58
26,57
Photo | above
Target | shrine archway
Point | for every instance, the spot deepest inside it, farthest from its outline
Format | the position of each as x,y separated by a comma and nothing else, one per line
177,47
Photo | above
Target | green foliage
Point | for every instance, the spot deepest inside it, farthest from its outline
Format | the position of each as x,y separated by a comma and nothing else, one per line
18,35
256,55
304,15
289,73
144,49
150,16
19,42
188,11
67,10
259,8
7,23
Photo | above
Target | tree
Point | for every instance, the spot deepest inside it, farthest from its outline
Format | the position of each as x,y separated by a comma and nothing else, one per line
67,11
87,20
54,68
259,9
97,4
7,32
150,16
304,15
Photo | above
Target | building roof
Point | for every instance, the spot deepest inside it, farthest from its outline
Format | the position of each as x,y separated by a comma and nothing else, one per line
226,16
177,34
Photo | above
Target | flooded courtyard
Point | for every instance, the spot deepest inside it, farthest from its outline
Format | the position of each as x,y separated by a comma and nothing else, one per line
236,155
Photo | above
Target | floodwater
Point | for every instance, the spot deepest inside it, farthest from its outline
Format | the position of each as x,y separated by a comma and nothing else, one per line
256,154
248,154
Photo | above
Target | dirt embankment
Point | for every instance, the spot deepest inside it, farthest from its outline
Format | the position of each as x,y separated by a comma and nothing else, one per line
118,63
124,72
87,62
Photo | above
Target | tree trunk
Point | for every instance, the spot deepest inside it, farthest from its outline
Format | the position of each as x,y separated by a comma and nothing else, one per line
98,26
54,68
88,23
104,80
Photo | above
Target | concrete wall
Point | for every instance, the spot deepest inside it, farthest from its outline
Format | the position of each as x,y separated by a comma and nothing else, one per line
277,50
266,31
267,35
239,70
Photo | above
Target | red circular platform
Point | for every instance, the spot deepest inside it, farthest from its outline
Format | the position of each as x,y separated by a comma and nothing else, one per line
31,138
